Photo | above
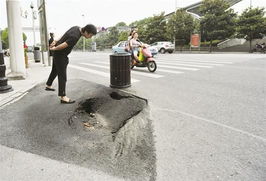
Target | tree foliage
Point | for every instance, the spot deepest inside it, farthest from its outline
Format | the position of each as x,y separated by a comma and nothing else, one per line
121,24
4,38
152,29
180,26
251,24
218,21
79,45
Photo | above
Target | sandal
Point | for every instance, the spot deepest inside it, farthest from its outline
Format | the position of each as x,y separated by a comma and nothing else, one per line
49,89
67,102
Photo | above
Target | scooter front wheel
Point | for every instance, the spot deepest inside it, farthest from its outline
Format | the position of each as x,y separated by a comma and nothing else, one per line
152,66
132,64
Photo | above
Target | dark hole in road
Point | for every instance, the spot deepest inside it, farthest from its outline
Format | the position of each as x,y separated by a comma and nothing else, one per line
90,105
114,111
116,96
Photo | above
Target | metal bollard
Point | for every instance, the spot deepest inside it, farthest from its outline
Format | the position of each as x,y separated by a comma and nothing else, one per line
4,87
120,71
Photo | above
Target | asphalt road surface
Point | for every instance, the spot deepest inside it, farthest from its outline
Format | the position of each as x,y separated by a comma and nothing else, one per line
208,112
206,121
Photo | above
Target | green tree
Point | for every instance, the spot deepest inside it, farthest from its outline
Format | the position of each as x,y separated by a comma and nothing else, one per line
123,36
4,37
151,29
180,26
251,24
102,40
79,45
112,36
121,24
218,21
156,29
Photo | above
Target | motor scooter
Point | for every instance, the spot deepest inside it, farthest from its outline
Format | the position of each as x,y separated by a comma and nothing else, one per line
145,59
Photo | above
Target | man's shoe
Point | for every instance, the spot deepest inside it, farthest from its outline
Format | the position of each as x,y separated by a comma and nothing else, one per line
49,89
68,102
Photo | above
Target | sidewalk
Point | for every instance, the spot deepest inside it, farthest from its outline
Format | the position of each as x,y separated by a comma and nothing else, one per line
35,74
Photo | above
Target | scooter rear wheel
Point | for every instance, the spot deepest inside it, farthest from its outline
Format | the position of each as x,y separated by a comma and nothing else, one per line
152,66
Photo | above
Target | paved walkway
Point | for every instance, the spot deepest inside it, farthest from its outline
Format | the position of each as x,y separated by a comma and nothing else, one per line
36,73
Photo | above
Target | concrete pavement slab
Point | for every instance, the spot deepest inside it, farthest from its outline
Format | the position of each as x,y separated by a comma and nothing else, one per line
24,166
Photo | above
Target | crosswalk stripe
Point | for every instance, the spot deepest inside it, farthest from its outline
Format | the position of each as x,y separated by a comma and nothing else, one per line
152,75
184,64
195,61
159,69
181,68
103,74
169,71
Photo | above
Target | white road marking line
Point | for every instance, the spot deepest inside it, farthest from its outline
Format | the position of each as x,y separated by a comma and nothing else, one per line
169,71
148,74
158,69
181,68
103,74
203,61
194,63
215,123
184,64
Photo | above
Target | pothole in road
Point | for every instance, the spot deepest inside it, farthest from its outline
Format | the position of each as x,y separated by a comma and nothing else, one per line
116,96
111,111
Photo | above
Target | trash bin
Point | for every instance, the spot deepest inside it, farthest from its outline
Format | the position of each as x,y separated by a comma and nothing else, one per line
93,46
120,71
37,54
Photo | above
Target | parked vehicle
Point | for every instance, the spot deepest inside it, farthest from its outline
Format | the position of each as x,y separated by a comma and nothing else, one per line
260,48
120,48
145,59
164,46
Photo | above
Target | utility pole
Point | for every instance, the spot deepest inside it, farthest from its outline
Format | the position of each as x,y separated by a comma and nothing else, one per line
41,6
17,63
83,36
33,26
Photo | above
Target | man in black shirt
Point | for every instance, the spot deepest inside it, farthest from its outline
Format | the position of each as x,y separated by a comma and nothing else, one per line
61,50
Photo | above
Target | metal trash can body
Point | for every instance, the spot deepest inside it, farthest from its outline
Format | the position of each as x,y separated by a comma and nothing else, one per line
93,47
37,54
120,71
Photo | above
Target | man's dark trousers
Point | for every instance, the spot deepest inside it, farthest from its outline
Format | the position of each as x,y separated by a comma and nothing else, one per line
59,68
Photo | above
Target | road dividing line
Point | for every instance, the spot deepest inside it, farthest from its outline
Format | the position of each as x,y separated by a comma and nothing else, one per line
148,74
213,122
103,74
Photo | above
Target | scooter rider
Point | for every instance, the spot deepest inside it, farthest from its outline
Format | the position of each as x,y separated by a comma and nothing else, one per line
134,43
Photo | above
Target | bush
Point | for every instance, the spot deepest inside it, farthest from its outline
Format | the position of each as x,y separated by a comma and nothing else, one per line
207,43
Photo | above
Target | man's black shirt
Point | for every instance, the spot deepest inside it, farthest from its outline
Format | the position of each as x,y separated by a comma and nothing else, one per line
71,37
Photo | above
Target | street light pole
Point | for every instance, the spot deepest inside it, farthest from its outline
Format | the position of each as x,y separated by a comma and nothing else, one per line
83,37
33,26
